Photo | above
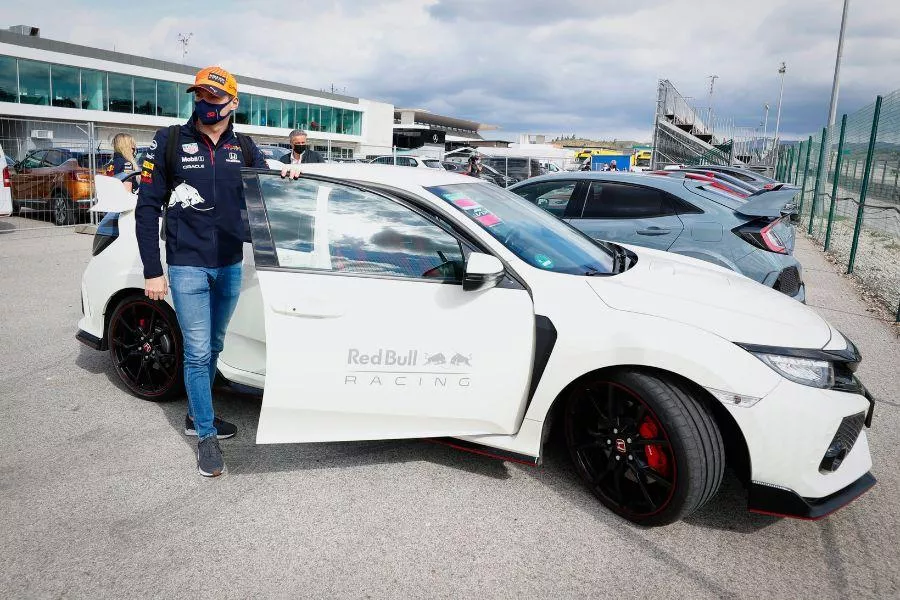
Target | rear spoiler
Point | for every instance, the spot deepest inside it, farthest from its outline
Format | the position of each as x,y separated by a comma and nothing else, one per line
771,203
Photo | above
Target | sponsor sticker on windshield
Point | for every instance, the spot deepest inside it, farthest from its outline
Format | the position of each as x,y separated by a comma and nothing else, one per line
488,219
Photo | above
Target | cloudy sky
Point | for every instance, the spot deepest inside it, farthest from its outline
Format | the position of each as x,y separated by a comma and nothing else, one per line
588,67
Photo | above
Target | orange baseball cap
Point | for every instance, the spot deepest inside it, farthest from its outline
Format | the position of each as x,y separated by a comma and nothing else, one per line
215,80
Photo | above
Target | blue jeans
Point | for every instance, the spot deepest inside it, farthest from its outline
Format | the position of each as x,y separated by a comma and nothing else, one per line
204,302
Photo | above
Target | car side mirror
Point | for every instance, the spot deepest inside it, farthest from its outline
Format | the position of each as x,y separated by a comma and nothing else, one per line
483,271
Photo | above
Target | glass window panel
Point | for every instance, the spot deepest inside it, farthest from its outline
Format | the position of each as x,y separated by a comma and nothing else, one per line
366,234
273,112
357,123
315,123
66,90
166,99
338,120
301,116
242,115
552,196
621,201
347,121
185,101
327,113
93,86
257,110
34,82
9,87
144,96
287,114
120,98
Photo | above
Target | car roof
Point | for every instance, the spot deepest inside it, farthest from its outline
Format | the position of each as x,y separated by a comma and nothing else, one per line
401,177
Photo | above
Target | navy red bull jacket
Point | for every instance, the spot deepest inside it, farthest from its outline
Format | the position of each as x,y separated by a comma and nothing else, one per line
210,230
119,164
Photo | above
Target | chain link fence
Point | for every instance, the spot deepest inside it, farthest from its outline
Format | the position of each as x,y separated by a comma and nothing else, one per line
856,214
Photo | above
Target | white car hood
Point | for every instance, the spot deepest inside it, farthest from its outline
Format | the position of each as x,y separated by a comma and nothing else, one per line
712,298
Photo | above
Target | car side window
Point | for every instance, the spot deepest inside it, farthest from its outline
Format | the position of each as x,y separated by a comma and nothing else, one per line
54,158
612,200
385,160
405,161
34,159
330,227
552,196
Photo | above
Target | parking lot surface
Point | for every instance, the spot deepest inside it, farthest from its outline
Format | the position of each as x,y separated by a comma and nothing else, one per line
100,497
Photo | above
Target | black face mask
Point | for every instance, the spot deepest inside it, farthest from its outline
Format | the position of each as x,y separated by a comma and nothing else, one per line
300,148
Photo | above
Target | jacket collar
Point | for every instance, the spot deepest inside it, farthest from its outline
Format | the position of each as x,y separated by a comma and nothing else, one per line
191,127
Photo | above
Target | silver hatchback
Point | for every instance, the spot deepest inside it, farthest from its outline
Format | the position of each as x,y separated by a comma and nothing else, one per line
752,236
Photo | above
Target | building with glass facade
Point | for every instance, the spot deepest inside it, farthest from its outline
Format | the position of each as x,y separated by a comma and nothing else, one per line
46,81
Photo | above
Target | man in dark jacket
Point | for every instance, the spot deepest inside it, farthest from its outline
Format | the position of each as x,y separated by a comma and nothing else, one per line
205,233
301,152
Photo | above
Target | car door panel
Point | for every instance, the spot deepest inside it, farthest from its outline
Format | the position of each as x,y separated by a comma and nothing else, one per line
353,355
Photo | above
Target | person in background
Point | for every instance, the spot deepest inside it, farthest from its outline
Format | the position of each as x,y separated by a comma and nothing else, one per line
474,168
612,165
124,150
301,152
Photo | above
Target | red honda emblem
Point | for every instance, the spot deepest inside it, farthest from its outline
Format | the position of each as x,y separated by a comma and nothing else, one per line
147,347
620,445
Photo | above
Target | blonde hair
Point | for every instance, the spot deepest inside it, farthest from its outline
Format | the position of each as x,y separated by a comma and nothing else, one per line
124,144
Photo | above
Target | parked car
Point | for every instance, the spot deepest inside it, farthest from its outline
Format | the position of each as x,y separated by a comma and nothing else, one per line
748,175
688,216
488,173
406,160
275,152
6,207
57,180
430,304
519,168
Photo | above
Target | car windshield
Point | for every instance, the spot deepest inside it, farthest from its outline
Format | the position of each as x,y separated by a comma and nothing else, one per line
532,234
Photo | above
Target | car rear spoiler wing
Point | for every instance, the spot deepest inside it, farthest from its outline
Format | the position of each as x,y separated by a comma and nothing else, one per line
772,203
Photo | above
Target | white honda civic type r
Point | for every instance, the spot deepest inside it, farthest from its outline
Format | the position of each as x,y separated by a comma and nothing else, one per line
387,303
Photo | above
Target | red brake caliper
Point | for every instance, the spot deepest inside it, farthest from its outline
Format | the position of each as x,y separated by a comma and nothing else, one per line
656,458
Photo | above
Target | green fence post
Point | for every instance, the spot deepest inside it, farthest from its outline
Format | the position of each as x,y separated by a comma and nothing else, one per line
796,174
805,173
837,176
790,169
867,170
817,188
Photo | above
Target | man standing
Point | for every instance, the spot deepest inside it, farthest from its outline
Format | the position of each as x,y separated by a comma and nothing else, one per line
196,170
301,152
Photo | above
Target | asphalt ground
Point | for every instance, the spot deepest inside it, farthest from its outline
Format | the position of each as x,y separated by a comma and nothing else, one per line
100,498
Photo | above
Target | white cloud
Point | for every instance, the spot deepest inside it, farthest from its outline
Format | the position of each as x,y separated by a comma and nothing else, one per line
526,65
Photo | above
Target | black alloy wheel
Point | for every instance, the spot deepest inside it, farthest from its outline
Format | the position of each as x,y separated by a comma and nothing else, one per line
63,208
146,349
644,446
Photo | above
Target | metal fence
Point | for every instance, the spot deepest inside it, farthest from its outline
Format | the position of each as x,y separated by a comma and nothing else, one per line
856,214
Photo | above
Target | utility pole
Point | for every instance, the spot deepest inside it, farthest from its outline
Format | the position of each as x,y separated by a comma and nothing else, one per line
712,82
766,130
781,71
832,109
184,39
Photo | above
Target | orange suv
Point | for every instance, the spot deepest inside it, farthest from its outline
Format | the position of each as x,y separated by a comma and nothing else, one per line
57,180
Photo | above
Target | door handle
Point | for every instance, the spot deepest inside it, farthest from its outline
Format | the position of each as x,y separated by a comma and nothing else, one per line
314,310
654,231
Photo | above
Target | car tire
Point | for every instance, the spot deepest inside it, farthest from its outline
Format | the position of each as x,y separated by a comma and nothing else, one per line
145,348
63,209
644,445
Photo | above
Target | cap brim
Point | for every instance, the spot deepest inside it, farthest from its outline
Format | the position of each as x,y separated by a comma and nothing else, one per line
212,90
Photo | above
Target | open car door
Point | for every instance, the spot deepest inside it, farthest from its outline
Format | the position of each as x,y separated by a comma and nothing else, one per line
369,332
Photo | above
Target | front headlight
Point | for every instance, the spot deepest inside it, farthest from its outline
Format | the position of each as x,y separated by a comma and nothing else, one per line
806,371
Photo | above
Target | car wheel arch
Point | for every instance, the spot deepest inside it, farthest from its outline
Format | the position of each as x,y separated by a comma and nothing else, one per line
737,452
113,302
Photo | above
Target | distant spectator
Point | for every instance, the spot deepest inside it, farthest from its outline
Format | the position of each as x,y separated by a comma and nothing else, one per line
612,165
301,152
475,168
586,165
124,148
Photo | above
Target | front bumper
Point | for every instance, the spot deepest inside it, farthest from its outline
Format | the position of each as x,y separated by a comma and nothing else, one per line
779,502
788,433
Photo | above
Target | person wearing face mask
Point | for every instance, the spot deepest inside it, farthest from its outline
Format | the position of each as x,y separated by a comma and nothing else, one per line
195,171
301,152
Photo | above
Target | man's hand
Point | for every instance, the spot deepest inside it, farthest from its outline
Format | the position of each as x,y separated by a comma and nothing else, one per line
156,288
292,171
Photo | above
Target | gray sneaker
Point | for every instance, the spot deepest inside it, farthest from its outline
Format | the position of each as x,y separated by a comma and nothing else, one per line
210,462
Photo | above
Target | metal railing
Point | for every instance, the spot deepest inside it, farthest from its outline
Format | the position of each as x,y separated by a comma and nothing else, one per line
856,216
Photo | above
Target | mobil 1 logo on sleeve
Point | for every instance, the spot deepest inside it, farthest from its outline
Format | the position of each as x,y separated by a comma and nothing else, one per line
384,367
